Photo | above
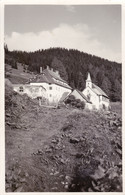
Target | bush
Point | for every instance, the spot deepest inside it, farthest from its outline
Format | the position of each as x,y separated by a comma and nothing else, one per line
70,99
14,65
77,103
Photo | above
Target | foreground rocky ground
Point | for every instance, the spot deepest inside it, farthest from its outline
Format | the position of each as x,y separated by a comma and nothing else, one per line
61,150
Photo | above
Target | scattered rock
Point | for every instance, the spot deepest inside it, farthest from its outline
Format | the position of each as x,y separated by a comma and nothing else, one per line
8,115
119,145
95,187
39,152
23,180
90,190
119,152
74,140
62,161
19,189
49,150
67,127
8,189
119,165
99,173
79,155
66,187
113,175
68,178
54,141
11,124
56,173
61,176
54,188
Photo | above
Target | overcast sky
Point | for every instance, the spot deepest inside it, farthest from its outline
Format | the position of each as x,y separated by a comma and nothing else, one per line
93,29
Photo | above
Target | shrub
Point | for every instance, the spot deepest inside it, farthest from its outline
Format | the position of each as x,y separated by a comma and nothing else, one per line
78,105
75,102
70,99
78,100
82,104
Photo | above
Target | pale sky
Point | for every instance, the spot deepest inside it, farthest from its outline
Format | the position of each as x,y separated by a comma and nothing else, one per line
93,29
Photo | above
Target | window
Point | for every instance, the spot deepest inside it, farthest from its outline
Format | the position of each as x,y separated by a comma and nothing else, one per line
50,95
88,96
50,88
103,106
21,89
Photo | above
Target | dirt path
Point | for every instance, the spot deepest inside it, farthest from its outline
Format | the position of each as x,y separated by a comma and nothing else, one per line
35,127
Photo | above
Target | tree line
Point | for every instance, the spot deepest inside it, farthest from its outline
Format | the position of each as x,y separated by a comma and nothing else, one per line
73,67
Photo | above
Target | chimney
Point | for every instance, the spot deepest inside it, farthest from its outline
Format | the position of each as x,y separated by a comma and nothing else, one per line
57,73
41,69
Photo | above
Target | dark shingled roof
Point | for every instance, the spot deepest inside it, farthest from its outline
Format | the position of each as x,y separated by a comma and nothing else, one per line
83,95
50,77
53,74
98,90
64,96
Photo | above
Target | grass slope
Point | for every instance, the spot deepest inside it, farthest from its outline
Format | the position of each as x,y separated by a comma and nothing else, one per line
60,150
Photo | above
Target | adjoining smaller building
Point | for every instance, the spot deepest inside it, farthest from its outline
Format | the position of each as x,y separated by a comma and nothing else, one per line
79,95
96,95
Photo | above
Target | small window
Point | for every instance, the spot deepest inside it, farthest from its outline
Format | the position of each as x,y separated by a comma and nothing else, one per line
50,88
103,106
50,95
88,96
21,89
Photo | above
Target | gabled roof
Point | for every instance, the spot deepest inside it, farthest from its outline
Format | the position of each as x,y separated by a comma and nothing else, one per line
53,74
95,88
50,77
64,96
98,90
83,95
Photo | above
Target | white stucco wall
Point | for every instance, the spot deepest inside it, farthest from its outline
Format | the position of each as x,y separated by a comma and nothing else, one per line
78,96
89,106
97,101
93,97
106,103
31,91
51,92
55,92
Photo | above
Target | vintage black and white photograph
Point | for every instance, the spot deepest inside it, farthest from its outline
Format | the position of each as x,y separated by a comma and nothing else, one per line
63,98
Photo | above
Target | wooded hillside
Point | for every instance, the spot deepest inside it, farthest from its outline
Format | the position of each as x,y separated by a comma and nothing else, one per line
73,66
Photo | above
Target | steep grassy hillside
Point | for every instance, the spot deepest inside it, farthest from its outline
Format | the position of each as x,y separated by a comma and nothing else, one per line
18,75
61,150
